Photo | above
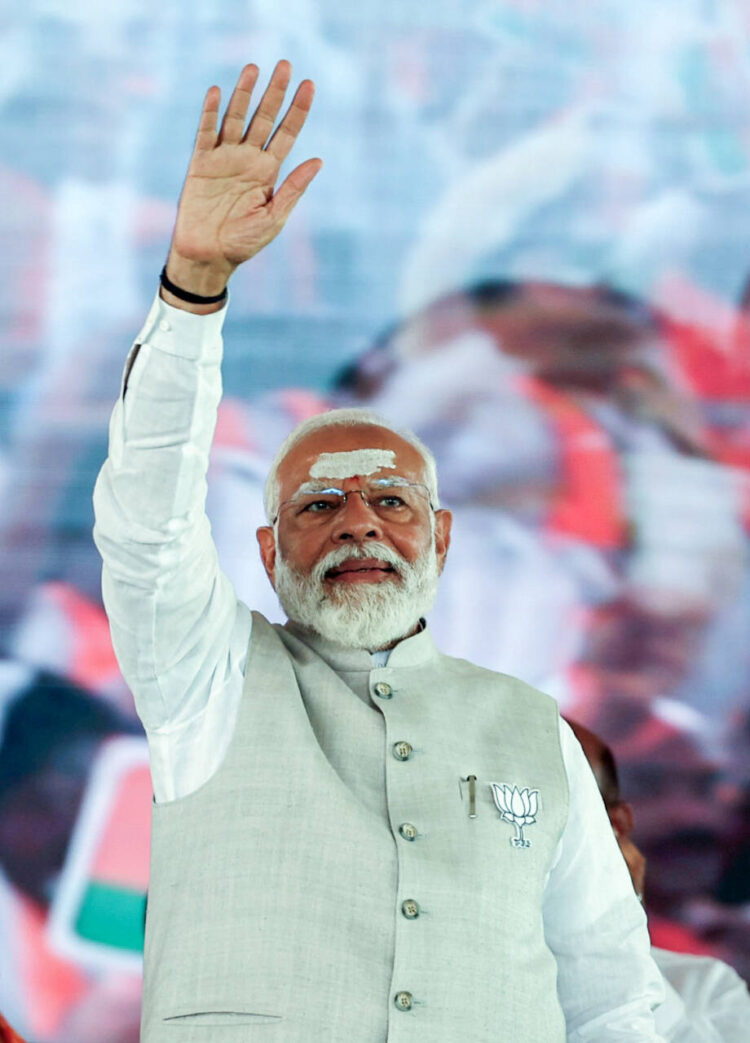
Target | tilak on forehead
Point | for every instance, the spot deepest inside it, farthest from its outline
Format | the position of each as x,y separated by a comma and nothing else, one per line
352,463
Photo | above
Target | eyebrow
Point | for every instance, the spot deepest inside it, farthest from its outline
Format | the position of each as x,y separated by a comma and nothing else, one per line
383,483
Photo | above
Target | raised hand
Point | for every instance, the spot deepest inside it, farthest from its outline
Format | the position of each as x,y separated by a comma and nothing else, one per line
229,208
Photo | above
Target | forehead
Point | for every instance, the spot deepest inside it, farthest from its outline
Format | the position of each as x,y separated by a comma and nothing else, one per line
339,449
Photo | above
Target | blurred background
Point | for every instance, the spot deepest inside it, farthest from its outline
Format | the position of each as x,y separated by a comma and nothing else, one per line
531,244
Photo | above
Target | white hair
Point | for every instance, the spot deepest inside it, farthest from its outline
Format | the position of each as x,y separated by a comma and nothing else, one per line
344,418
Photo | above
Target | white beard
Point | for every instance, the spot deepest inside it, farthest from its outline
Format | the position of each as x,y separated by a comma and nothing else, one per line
361,615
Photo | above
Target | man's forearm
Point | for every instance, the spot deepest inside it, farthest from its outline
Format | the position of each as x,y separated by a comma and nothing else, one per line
162,427
161,575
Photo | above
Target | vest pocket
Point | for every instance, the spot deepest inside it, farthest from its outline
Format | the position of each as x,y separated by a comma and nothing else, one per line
217,1018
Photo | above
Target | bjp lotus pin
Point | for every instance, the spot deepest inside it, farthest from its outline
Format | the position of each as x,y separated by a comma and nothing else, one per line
518,806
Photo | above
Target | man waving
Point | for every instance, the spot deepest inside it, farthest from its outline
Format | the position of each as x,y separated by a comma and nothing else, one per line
354,836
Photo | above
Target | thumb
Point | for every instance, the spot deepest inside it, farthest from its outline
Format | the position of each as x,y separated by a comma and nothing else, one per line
292,189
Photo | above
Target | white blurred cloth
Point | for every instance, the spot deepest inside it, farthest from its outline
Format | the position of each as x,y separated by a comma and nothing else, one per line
706,1000
686,514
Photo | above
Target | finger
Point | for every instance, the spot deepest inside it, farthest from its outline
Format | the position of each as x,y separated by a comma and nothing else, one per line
286,133
292,189
262,122
205,139
233,124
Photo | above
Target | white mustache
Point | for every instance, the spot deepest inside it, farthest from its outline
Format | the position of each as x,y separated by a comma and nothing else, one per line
356,552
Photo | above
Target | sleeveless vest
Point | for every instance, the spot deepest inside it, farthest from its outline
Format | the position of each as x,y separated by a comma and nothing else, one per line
339,879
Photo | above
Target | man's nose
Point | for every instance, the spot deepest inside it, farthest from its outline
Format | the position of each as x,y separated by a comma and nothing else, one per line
356,520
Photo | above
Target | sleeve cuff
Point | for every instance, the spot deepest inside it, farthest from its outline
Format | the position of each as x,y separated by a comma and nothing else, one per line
178,332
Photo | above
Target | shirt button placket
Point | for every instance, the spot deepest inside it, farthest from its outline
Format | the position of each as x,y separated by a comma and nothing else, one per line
402,751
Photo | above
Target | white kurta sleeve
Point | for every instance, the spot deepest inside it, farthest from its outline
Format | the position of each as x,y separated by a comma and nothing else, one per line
179,633
608,984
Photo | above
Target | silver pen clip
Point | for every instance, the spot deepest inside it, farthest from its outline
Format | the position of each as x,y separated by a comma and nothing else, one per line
472,780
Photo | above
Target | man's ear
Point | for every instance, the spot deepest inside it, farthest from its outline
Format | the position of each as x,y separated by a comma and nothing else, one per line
267,543
443,523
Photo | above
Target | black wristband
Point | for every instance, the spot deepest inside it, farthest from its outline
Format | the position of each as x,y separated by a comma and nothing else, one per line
185,295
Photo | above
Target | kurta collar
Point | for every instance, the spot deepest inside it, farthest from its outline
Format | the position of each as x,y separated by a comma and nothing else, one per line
412,651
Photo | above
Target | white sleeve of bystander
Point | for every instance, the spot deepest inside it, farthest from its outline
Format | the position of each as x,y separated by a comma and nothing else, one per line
710,1002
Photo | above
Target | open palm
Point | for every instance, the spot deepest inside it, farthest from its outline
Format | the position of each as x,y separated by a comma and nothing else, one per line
229,208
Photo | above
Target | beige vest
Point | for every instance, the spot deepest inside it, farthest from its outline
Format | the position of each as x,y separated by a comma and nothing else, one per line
329,885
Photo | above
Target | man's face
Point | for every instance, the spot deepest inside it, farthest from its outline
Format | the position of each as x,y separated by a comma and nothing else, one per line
358,575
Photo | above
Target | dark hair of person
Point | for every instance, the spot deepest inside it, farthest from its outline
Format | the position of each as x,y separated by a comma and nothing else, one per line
488,293
48,714
609,781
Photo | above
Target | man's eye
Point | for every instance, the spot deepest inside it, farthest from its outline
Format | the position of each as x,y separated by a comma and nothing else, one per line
391,502
318,506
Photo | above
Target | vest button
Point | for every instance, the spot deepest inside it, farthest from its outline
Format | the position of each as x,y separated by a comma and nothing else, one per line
408,831
402,751
410,909
403,1000
384,690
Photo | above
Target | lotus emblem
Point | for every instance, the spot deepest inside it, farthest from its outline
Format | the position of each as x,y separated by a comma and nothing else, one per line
518,806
